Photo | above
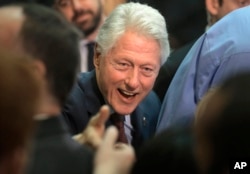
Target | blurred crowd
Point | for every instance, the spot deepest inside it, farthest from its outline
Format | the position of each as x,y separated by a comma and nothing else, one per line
124,87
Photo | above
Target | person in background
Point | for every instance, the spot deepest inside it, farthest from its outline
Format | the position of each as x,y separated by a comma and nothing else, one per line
222,127
207,65
186,19
49,40
129,52
216,9
171,151
109,5
20,96
87,16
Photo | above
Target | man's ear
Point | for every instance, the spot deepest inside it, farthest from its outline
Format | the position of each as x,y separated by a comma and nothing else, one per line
97,57
40,67
212,6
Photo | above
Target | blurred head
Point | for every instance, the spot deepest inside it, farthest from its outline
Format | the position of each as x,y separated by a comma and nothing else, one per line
19,99
203,103
222,127
131,45
48,38
171,150
219,8
85,14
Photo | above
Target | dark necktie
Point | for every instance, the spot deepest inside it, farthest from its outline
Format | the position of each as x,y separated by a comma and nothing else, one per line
118,121
90,47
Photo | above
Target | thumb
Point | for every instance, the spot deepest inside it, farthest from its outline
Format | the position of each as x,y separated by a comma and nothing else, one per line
101,117
110,138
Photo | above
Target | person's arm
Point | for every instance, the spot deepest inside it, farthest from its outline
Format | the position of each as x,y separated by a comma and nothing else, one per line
111,157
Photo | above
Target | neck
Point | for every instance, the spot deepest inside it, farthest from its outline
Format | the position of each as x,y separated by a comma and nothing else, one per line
49,106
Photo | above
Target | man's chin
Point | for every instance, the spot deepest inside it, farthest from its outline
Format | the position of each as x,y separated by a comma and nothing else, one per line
86,29
88,32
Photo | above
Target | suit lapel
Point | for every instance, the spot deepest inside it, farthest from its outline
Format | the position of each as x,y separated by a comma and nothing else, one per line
140,125
94,97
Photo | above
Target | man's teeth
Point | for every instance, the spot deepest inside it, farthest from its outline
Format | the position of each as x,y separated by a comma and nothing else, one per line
127,93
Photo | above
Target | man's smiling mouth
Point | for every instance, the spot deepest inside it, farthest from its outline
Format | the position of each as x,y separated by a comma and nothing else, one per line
127,94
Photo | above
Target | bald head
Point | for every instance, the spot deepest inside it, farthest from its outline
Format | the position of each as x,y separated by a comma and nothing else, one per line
11,20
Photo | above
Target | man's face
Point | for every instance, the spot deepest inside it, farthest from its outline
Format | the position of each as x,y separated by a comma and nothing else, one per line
230,5
85,14
128,72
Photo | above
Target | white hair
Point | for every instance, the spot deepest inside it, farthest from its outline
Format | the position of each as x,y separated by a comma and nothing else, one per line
139,18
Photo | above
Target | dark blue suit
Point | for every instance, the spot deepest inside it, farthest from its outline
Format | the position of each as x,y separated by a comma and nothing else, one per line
86,99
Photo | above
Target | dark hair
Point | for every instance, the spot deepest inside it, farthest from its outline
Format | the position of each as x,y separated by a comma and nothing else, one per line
10,2
234,124
47,36
47,3
227,129
170,151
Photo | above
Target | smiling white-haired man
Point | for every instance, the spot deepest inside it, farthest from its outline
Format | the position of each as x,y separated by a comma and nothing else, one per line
130,48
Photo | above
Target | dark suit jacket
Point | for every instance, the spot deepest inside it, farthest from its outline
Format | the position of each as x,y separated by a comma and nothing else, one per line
86,99
55,152
169,68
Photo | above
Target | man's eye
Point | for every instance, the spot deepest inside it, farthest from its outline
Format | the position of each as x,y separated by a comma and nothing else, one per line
147,71
122,66
64,3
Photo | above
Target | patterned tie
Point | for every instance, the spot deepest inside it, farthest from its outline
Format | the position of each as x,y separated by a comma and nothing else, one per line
90,47
118,121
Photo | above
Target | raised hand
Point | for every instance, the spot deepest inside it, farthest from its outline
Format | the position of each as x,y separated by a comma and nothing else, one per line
113,158
93,134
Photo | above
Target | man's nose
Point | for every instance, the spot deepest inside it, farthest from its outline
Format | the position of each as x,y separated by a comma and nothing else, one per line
76,4
132,79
